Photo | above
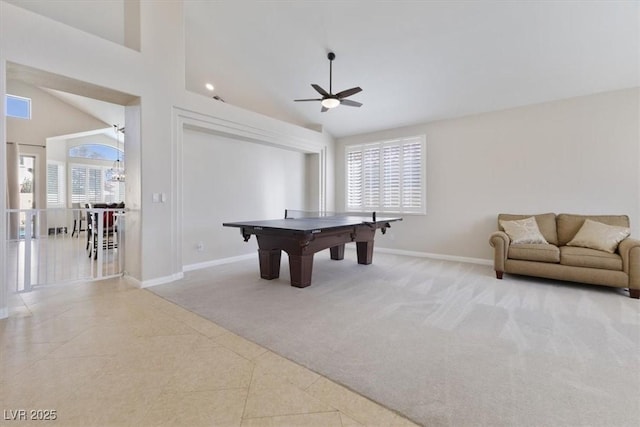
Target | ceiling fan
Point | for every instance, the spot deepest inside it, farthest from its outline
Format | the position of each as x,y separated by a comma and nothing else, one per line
329,100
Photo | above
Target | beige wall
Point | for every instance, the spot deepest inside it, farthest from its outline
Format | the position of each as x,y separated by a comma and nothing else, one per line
578,155
49,117
226,180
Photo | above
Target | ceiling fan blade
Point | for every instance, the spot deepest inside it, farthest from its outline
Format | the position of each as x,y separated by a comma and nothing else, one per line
350,103
320,90
323,109
348,92
311,99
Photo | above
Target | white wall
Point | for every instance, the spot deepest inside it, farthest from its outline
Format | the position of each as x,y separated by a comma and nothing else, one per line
226,180
154,77
579,155
101,18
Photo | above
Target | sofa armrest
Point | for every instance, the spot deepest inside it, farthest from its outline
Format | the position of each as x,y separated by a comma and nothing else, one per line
500,242
629,250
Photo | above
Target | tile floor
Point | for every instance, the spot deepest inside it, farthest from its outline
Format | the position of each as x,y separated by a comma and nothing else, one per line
108,354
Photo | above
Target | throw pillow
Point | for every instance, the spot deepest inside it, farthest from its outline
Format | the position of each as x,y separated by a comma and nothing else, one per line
523,231
596,235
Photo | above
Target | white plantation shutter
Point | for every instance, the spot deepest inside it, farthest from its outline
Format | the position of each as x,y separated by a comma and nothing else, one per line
78,184
55,184
88,184
412,175
94,188
391,169
371,167
387,176
354,178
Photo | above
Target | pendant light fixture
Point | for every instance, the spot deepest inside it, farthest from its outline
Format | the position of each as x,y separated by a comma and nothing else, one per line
117,170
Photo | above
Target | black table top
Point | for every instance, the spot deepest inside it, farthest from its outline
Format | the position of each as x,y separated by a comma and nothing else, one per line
309,225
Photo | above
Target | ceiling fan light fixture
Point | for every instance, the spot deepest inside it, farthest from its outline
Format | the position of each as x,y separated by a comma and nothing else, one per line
329,99
330,102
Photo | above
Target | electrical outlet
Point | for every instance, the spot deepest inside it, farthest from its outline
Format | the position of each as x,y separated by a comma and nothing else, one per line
200,246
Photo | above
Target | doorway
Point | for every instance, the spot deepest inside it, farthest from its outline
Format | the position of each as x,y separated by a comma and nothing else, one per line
27,190
41,191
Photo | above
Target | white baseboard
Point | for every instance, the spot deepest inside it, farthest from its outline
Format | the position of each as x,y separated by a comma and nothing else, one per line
154,282
214,262
436,256
455,258
132,280
190,267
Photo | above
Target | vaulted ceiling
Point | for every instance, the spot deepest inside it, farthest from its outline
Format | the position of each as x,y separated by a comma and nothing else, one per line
416,61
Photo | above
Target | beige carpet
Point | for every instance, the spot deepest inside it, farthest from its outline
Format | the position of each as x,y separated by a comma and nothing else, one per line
444,343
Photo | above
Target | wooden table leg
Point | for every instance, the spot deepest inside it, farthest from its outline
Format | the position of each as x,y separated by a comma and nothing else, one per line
365,252
269,263
300,268
337,252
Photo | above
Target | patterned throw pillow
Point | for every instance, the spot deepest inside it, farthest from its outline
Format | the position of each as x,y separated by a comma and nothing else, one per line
596,235
523,231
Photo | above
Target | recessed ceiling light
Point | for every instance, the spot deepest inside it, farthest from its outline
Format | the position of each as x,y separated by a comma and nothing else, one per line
209,86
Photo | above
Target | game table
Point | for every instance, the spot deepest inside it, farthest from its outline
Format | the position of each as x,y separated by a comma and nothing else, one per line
301,234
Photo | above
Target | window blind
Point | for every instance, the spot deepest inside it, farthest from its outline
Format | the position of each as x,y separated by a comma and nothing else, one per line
86,184
78,184
55,184
387,176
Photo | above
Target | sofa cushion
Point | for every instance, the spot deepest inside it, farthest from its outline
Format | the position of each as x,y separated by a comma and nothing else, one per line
569,224
523,231
591,258
596,235
546,223
534,252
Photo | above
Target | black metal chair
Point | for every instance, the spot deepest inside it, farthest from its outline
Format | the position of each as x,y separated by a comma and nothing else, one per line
109,228
79,215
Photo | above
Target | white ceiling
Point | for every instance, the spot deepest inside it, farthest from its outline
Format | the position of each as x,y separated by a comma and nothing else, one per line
416,61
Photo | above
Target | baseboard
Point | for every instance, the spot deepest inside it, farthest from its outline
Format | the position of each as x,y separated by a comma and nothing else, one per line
154,282
469,260
215,262
455,258
190,267
132,280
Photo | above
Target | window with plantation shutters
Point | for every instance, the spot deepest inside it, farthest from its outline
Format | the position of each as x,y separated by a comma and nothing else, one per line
92,184
55,184
387,176
86,184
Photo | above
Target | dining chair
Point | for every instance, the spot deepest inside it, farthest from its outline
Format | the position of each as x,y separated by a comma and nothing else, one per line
109,230
79,215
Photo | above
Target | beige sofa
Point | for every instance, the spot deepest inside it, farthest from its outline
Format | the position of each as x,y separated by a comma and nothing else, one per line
556,260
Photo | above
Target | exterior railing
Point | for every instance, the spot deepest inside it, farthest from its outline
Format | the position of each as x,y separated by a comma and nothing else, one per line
53,246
